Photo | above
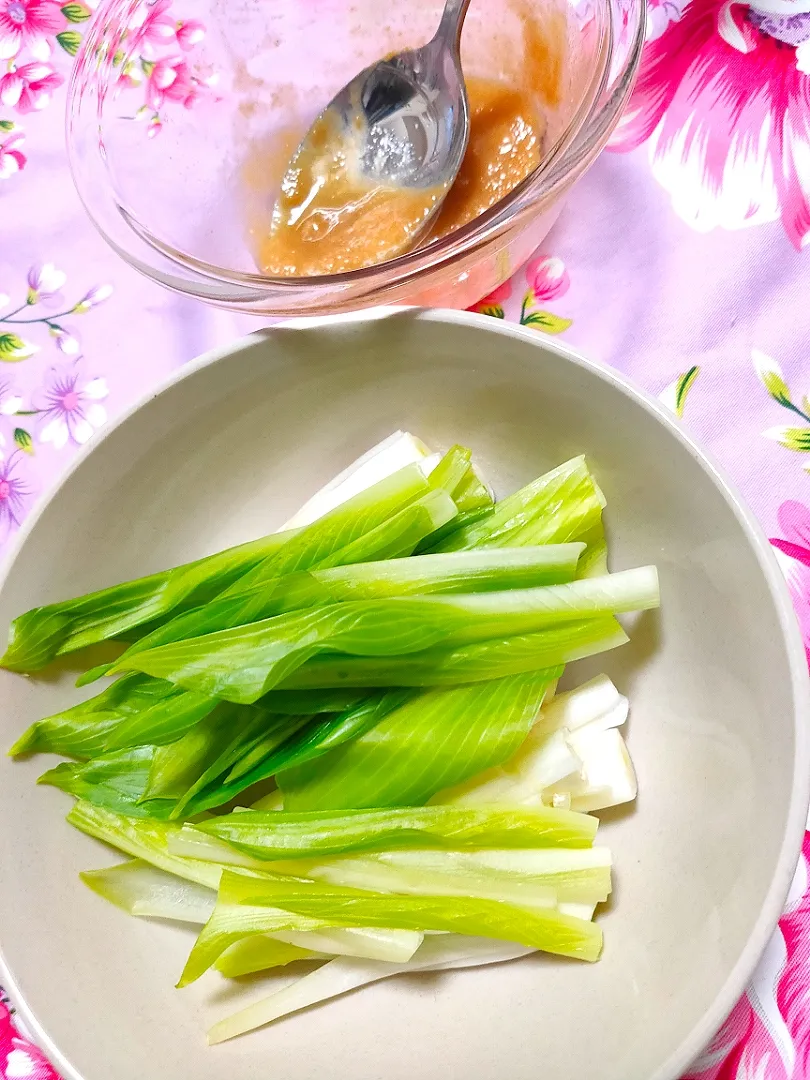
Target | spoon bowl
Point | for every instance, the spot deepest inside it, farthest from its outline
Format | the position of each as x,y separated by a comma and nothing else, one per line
414,110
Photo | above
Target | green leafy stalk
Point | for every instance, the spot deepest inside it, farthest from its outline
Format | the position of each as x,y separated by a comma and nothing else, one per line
138,710
178,765
260,953
163,723
247,747
249,906
275,834
471,571
340,536
114,781
558,507
145,891
453,470
321,734
545,877
41,634
438,952
243,663
142,838
437,739
478,662
266,594
472,495
533,878
228,751
82,730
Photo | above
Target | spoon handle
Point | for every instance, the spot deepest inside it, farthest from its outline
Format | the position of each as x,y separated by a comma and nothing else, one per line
451,23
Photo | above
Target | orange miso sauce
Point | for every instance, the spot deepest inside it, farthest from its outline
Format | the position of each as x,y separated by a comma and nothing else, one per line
330,219
504,147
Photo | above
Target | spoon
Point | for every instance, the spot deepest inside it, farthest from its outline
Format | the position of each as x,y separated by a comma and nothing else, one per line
407,117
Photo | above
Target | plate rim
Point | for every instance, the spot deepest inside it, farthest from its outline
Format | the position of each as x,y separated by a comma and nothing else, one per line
696,1040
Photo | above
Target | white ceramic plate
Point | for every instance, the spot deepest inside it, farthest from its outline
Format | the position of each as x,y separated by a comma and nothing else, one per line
718,685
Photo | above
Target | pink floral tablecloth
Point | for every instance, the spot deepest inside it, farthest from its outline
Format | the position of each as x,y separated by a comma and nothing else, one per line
678,260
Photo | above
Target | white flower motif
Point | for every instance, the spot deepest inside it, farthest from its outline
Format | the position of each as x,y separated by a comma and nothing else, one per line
97,295
10,403
66,342
71,409
44,280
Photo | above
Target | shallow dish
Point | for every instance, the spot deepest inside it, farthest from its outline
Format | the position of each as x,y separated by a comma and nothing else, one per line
229,448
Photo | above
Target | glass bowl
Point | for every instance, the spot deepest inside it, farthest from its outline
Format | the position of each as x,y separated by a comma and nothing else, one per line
181,111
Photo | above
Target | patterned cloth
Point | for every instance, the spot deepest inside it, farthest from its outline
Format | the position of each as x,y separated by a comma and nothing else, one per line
678,260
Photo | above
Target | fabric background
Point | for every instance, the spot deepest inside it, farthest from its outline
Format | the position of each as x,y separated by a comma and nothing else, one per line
678,260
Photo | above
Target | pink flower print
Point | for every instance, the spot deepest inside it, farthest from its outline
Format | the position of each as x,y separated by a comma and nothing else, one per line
12,159
547,278
44,281
793,553
152,27
492,303
722,1055
6,1029
14,495
29,23
27,1061
190,33
171,79
497,296
793,991
724,105
70,409
28,88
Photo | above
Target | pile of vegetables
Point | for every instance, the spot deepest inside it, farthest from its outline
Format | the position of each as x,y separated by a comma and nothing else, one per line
342,743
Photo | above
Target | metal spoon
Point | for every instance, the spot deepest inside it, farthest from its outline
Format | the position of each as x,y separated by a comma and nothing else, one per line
410,113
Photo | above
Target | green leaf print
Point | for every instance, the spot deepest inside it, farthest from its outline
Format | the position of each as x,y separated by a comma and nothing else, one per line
791,437
23,440
544,320
70,40
76,13
674,396
13,349
495,310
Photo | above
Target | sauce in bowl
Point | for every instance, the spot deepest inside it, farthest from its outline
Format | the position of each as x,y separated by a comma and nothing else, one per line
329,218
